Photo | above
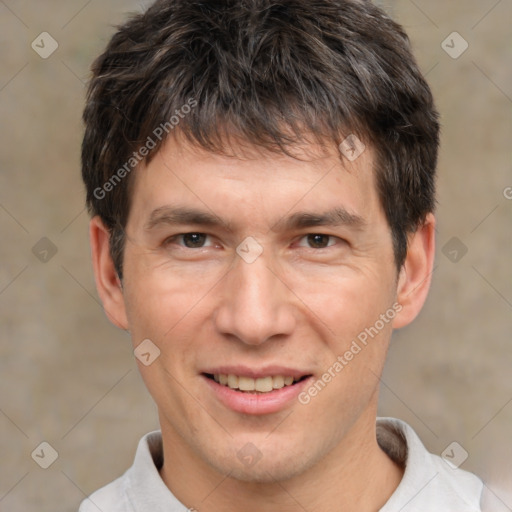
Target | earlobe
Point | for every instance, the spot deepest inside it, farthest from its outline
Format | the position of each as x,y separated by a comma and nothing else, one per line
107,281
416,273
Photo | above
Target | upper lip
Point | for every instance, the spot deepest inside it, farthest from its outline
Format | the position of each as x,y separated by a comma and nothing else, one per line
256,373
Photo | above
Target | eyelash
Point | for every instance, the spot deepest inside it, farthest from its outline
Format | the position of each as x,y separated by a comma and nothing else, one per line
181,235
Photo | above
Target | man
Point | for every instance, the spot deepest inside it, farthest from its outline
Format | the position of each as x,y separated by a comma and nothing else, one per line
261,179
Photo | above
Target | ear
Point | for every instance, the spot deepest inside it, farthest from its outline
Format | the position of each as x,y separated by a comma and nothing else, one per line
415,275
107,281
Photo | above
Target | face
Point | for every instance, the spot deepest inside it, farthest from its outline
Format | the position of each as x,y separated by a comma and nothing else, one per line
266,272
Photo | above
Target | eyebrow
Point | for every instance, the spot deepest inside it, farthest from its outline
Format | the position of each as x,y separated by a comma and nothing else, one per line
183,215
336,217
167,215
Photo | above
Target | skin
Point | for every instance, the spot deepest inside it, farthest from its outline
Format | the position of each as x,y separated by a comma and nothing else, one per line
300,304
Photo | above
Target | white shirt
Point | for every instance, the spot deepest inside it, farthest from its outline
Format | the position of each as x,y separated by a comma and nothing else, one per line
429,484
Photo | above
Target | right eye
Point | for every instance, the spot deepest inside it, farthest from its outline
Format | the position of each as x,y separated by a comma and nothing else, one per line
189,240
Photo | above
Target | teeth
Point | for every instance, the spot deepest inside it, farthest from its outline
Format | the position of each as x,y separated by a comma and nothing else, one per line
232,381
264,384
246,384
261,385
278,382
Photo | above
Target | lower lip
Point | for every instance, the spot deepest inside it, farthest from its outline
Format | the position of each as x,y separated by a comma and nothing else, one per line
256,403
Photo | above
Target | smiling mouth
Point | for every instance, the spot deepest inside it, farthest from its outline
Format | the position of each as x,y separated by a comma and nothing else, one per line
250,385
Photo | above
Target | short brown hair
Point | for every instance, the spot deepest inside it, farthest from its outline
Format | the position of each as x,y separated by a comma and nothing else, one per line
263,70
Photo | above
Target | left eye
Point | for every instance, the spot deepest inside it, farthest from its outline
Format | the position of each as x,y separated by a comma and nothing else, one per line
318,241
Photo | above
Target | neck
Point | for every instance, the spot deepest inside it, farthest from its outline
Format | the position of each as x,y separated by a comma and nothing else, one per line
355,476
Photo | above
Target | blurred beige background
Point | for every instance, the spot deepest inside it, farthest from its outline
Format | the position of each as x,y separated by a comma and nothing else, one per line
69,378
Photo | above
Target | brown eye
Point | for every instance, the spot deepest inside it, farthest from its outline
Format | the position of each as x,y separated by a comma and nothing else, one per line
193,240
318,241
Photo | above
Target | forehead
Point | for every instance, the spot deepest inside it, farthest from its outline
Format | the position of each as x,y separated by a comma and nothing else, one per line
251,180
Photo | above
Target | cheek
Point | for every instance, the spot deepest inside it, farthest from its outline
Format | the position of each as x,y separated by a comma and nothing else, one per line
169,308
161,300
344,301
348,311
167,312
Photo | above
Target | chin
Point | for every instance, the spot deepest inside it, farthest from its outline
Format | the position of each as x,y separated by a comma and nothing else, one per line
263,473
276,465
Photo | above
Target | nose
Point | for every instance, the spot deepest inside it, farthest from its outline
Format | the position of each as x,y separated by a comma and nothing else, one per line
256,304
